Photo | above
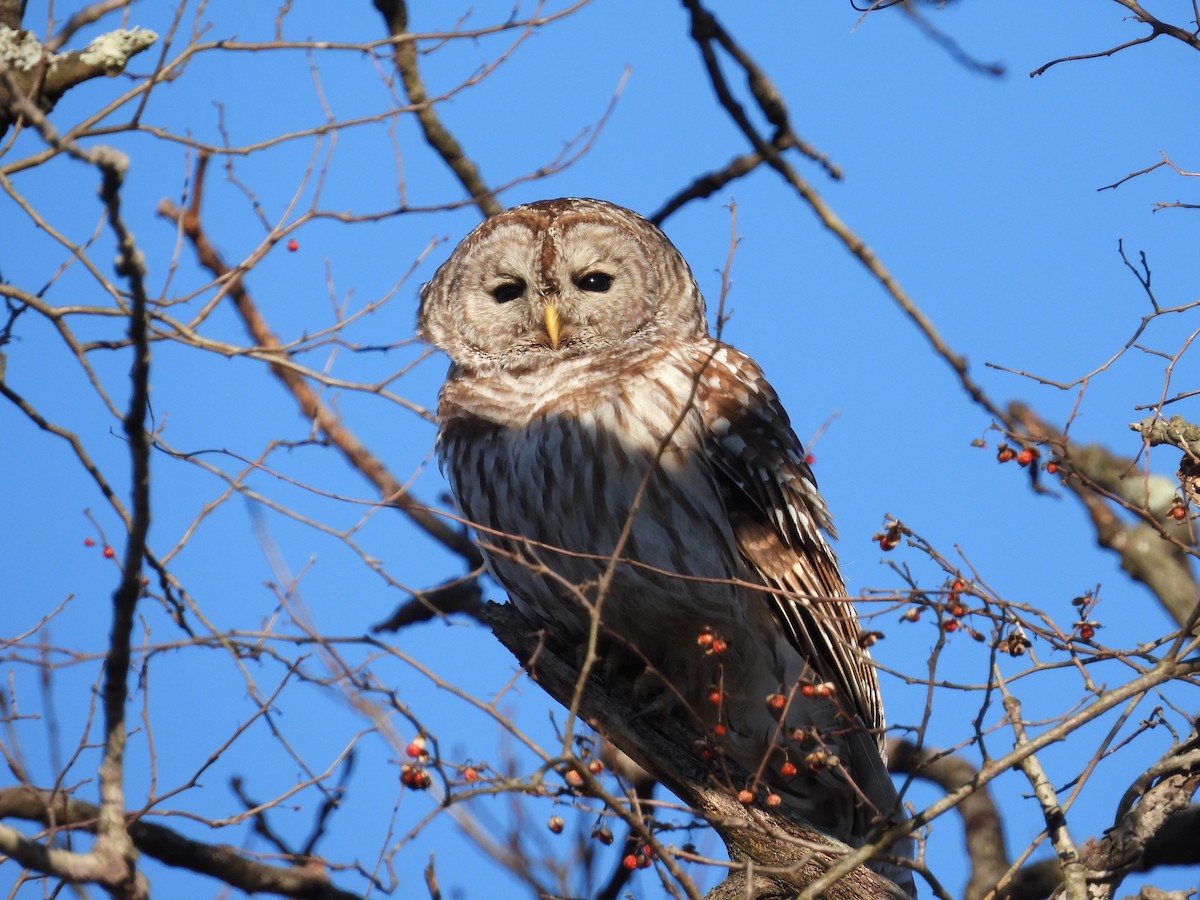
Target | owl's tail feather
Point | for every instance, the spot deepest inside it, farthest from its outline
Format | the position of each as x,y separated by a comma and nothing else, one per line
883,809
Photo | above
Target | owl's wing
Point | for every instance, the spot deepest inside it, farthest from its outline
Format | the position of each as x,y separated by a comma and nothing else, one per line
777,517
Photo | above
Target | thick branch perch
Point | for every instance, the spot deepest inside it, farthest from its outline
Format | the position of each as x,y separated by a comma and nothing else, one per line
45,76
219,861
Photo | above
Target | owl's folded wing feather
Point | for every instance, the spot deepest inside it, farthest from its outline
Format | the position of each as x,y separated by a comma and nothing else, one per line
778,517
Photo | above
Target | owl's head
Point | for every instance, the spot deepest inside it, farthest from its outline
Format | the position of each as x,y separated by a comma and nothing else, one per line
559,279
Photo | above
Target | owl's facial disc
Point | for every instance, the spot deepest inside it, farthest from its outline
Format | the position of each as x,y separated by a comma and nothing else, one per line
557,281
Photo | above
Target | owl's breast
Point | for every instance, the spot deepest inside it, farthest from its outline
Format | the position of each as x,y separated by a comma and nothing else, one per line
557,492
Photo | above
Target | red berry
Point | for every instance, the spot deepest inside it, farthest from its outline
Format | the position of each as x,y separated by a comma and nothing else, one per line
810,459
886,544
603,835
1178,512
293,245
808,690
774,799
414,778
469,774
416,747
630,862
573,778
718,730
787,770
1005,454
745,796
705,639
958,586
595,767
88,542
958,611
825,689
714,696
1025,457
952,625
719,646
556,824
109,552
776,702
912,614
1051,467
1087,631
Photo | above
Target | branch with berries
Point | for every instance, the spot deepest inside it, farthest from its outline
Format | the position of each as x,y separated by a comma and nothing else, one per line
1156,546
774,855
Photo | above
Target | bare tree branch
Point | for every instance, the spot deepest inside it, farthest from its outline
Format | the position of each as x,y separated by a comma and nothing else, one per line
1157,29
982,825
395,14
391,490
43,76
220,861
1125,847
1092,472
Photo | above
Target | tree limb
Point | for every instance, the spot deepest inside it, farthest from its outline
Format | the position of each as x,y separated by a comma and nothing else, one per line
220,861
982,826
1095,475
395,14
43,76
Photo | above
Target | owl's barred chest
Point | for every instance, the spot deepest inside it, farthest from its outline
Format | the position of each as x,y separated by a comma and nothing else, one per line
621,469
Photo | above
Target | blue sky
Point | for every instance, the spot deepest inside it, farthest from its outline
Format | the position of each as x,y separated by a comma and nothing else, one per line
979,194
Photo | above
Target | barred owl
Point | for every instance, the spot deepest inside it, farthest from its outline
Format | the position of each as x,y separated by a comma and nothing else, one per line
618,461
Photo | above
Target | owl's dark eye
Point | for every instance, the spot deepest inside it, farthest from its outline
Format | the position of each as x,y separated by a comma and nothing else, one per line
510,290
594,282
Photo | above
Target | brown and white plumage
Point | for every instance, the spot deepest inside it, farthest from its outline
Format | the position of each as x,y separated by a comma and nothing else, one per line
588,415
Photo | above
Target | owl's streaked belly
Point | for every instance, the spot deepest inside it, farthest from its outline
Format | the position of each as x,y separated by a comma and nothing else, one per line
557,497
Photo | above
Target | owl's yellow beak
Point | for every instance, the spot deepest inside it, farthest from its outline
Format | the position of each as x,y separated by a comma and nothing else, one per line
551,315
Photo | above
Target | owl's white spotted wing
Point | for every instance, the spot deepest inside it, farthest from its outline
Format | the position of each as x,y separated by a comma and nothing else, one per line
777,517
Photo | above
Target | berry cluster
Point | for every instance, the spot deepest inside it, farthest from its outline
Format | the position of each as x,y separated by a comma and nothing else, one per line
1086,627
642,860
108,551
712,643
414,775
416,778
1024,457
953,608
